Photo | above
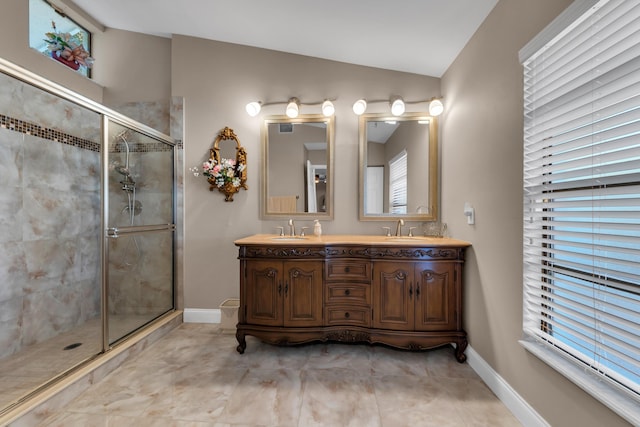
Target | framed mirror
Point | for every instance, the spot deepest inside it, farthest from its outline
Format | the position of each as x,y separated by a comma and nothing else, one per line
297,167
398,167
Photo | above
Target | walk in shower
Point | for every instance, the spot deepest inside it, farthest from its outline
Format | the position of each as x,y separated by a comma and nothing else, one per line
87,206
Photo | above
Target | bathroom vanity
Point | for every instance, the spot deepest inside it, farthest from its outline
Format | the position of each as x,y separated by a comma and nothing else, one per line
405,292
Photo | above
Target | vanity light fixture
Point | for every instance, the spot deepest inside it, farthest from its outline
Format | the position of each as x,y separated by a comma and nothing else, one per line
292,107
435,107
359,107
327,108
398,105
253,108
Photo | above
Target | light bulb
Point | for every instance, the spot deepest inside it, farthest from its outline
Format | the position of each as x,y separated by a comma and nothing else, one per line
292,108
253,108
328,109
436,108
360,106
397,107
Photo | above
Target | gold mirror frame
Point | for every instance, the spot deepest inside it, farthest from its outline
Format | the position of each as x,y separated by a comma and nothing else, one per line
239,170
433,173
330,131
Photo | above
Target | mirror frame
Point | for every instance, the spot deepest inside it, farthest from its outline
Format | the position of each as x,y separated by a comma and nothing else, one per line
330,132
433,166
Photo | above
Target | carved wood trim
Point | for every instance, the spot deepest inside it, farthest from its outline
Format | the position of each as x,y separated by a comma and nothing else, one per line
353,252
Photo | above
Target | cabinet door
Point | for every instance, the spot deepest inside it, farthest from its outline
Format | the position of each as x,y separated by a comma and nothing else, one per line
303,293
393,295
435,297
264,289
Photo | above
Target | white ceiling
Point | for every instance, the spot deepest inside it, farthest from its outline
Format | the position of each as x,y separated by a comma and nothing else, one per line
416,36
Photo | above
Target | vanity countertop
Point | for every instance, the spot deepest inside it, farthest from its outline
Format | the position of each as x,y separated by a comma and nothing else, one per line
349,239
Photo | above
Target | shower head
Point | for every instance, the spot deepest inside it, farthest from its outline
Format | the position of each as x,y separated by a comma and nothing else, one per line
122,170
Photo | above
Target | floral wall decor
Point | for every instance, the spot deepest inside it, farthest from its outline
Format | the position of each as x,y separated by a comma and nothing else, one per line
227,175
68,49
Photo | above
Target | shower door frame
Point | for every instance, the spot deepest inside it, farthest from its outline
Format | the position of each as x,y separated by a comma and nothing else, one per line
114,232
37,81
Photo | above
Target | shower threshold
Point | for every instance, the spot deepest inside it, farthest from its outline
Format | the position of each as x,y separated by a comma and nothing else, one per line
36,374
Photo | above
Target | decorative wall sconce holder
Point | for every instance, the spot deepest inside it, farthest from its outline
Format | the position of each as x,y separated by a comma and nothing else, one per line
218,172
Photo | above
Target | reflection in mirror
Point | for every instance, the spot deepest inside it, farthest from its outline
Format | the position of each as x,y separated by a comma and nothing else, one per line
398,167
298,165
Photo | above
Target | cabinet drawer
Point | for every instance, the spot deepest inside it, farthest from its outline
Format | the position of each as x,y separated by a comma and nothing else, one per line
348,293
343,315
348,270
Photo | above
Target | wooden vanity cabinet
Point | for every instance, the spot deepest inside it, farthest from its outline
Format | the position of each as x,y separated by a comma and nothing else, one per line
348,292
404,296
420,296
284,293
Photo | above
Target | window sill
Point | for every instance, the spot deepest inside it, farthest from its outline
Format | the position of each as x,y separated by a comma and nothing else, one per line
618,401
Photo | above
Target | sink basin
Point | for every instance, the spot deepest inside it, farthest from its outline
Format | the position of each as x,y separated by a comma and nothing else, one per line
289,238
405,238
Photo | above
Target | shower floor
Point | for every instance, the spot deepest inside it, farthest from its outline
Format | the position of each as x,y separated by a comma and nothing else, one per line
27,370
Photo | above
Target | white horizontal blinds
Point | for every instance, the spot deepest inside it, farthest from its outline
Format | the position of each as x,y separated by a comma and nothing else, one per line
398,183
582,193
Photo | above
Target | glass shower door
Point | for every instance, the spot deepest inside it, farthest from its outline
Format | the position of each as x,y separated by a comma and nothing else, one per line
140,230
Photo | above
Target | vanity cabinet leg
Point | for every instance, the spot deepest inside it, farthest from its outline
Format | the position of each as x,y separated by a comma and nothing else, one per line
242,343
461,346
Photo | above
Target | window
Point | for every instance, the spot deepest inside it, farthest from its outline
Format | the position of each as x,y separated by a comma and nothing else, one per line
41,17
582,202
398,184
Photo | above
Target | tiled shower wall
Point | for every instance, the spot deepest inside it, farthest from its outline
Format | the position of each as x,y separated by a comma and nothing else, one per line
49,215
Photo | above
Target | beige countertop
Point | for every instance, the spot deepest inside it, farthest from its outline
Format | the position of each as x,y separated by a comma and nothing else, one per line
349,239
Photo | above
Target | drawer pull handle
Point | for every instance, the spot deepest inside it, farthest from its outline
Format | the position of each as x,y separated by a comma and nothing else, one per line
347,315
347,269
347,292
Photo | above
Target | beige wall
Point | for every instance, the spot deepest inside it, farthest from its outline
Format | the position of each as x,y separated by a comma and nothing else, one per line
482,164
217,80
132,67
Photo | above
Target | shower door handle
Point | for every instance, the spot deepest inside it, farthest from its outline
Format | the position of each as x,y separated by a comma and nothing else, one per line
115,232
112,232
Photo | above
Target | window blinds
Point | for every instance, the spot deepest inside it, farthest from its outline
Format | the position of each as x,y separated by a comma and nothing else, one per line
582,194
398,184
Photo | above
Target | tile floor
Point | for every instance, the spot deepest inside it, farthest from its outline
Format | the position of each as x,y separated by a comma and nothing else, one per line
193,376
24,372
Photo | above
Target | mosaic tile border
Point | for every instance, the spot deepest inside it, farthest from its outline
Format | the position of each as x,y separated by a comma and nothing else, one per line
33,129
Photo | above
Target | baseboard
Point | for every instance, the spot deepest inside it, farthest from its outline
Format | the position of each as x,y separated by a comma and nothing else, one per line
512,400
202,315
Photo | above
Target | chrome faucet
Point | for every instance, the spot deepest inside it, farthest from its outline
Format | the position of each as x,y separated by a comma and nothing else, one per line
292,228
399,227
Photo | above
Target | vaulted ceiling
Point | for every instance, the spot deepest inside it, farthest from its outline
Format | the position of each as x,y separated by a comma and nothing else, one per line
416,36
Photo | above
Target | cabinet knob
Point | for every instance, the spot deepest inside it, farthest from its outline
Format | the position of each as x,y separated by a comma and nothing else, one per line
347,315
347,292
347,269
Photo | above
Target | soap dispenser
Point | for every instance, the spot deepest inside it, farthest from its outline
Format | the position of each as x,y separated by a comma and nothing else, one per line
317,228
